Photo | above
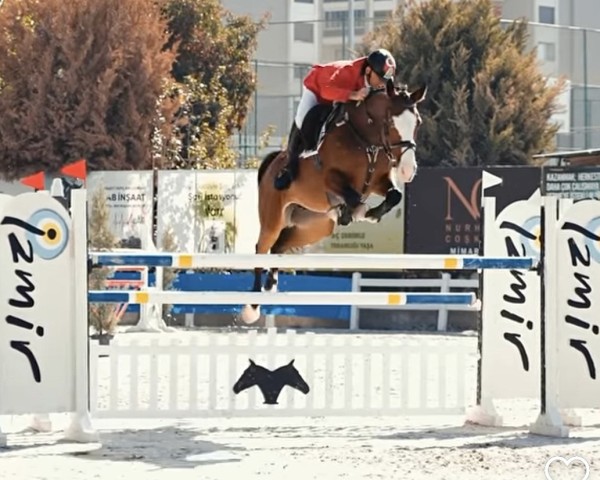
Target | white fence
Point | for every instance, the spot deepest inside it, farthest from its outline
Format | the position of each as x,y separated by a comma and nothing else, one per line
347,375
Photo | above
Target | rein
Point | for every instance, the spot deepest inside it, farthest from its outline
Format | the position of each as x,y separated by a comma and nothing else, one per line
372,150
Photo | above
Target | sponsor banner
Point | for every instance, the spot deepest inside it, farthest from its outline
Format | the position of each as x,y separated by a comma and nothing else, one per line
208,211
572,182
129,199
247,226
36,298
387,236
443,206
511,303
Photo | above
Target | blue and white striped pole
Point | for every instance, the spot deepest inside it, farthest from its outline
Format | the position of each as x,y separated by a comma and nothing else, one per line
364,299
354,262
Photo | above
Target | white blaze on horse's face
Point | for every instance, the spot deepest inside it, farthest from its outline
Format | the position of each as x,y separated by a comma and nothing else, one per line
406,125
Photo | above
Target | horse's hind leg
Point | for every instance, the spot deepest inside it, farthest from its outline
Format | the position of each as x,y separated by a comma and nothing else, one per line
313,229
317,228
266,239
299,236
273,275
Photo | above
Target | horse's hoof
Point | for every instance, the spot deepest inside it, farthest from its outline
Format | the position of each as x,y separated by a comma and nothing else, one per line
249,314
359,213
371,218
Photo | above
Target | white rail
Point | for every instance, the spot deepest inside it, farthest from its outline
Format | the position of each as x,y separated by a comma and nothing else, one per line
313,261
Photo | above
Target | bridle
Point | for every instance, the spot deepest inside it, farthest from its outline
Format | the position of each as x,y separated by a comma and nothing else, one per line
372,150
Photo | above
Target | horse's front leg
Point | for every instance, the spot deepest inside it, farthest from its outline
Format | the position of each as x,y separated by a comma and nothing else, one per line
352,207
393,197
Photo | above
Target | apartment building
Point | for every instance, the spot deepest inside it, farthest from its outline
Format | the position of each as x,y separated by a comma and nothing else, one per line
565,33
285,48
303,32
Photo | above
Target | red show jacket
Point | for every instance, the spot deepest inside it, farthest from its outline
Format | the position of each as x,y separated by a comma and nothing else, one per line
333,82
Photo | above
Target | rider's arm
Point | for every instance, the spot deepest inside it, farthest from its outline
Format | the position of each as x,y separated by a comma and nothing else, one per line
330,91
335,87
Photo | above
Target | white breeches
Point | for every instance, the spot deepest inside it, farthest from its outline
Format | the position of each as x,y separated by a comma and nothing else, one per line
307,101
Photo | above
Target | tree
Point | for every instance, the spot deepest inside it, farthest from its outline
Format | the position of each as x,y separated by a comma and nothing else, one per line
81,79
216,79
102,316
487,102
168,244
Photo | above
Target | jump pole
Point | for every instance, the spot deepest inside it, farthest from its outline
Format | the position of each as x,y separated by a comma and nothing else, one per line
312,261
364,299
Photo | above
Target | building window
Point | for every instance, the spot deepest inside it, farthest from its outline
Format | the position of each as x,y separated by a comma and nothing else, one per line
337,21
380,16
547,51
304,32
304,1
546,14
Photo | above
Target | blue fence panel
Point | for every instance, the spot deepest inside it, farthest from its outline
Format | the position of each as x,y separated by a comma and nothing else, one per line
242,281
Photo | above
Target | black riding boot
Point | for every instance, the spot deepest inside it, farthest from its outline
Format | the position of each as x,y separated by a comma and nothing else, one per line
290,171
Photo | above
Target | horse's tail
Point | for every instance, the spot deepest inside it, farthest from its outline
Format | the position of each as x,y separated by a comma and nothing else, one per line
266,162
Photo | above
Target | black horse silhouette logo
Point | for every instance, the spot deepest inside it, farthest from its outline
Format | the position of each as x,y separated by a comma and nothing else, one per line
270,382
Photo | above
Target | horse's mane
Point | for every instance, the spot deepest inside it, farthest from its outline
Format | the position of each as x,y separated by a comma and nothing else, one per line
266,162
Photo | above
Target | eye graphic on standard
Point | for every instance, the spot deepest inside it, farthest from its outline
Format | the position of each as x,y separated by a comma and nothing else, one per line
573,468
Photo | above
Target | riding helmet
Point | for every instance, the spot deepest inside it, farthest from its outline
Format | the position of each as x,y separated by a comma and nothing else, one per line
382,62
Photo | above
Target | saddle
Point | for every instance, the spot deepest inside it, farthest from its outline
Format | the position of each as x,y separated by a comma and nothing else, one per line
318,122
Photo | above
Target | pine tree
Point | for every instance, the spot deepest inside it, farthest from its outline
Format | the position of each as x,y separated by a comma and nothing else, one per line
487,101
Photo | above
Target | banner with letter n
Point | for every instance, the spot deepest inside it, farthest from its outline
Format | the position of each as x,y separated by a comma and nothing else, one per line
443,205
36,298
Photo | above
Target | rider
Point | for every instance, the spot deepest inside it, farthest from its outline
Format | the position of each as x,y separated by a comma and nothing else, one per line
339,81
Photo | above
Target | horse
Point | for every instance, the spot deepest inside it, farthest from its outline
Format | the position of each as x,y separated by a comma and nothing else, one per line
371,150
270,382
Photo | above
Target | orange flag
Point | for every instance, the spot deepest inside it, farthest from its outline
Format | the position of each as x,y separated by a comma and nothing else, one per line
76,169
37,180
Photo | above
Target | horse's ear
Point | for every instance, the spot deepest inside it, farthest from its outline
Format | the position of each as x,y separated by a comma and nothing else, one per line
418,95
251,362
291,363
